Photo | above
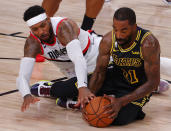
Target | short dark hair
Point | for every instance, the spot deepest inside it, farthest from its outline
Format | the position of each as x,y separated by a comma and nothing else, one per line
32,12
125,13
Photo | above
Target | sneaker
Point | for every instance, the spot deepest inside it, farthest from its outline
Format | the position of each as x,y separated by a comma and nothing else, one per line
167,2
41,88
66,103
163,86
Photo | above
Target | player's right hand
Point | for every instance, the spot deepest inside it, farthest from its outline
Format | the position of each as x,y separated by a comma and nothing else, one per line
84,96
28,99
113,108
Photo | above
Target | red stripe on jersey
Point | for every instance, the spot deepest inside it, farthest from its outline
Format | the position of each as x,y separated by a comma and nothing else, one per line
57,60
42,51
87,46
59,24
90,31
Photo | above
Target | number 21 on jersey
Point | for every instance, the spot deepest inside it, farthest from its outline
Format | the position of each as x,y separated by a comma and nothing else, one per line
130,75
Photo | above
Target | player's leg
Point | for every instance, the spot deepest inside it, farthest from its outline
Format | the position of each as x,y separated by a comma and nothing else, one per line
62,88
167,2
65,89
165,64
128,114
132,111
93,8
41,88
51,6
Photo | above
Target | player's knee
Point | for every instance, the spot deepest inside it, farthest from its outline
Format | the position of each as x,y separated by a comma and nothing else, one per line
121,121
55,91
63,89
128,117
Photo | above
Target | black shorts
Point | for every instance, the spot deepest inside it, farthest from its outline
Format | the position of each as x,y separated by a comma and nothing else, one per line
68,89
65,88
112,86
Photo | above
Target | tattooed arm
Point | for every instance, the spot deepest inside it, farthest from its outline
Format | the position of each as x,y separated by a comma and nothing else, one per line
67,31
32,48
98,76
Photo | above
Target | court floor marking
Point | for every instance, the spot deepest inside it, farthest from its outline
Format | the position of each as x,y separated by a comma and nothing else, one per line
16,90
14,35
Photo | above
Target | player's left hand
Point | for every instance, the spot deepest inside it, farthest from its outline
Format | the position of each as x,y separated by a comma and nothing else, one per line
114,107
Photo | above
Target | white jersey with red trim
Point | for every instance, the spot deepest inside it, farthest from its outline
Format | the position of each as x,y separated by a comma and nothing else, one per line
57,53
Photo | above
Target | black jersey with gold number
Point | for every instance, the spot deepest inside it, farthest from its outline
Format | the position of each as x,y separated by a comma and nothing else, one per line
128,71
129,63
128,66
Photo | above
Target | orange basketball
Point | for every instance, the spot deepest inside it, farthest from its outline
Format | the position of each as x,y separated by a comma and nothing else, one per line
94,114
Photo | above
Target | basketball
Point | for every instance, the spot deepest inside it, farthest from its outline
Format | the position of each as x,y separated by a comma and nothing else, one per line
93,112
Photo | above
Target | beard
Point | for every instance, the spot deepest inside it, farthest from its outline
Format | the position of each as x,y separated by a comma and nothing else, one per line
47,37
124,42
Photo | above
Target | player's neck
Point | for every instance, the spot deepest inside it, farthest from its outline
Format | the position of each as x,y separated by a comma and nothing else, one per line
129,44
51,40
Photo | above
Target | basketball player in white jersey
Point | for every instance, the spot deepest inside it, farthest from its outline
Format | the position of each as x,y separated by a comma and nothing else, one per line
93,8
57,39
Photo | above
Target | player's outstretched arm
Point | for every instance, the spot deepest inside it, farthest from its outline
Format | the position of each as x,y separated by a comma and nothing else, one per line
31,49
67,34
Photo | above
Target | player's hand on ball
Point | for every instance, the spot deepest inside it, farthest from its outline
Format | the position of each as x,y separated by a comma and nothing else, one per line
114,107
84,96
28,99
94,114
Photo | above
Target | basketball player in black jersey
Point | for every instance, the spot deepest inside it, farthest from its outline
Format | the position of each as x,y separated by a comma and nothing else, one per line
136,68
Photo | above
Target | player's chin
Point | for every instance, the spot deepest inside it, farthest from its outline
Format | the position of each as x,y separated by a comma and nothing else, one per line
44,38
121,42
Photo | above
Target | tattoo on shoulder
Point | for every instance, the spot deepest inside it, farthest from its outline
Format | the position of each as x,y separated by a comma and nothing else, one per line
31,48
67,31
150,48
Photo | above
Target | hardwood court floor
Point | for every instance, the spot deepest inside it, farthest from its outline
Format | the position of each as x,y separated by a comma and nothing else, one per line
45,115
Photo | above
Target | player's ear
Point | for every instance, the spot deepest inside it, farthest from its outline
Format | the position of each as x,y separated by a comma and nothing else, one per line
135,27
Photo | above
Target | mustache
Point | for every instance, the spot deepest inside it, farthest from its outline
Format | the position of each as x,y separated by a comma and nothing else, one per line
43,35
120,39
